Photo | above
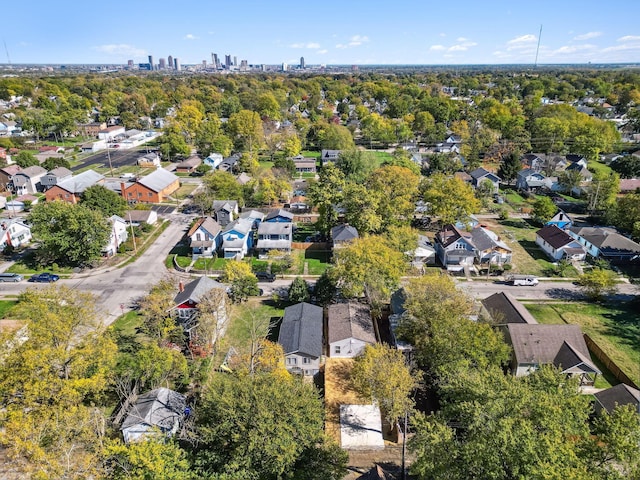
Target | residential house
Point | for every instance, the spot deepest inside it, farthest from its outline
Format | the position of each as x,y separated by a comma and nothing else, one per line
298,204
301,338
350,328
160,411
153,188
6,173
110,133
305,165
529,180
458,248
71,189
489,247
464,176
44,156
423,254
237,238
585,174
149,160
574,159
342,235
504,309
607,243
8,127
140,217
213,160
50,149
14,232
204,237
91,129
562,346
327,156
27,180
117,237
558,244
225,211
90,147
279,216
629,185
480,175
274,236
243,178
185,305
616,396
254,216
560,220
55,176
535,162
229,164
189,165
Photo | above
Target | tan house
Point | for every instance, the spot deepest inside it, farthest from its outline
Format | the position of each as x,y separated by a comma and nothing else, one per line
189,165
154,188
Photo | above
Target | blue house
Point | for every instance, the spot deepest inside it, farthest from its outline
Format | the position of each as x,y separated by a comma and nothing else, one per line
204,237
213,160
237,238
279,216
561,220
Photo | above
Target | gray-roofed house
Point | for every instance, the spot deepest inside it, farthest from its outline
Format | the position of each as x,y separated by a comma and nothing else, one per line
301,338
562,346
27,180
139,217
255,216
350,329
585,174
504,309
423,254
158,412
607,243
152,188
225,211
189,165
55,176
237,238
558,244
119,234
305,165
71,190
342,235
617,396
185,306
329,156
280,215
530,180
489,248
204,237
480,175
455,248
274,236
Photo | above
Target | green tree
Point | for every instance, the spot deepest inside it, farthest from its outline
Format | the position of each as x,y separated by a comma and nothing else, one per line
173,143
377,128
627,166
398,190
267,106
569,180
154,307
602,191
402,239
55,162
69,234
544,209
243,281
625,214
355,164
210,138
401,158
101,199
278,428
25,159
326,194
449,199
246,129
298,290
510,166
325,288
146,460
336,137
380,373
597,283
292,146
362,208
222,185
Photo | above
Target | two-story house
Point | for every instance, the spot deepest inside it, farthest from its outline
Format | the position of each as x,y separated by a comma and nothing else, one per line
279,216
14,233
274,236
350,328
27,180
327,156
204,237
225,211
117,237
301,338
237,238
529,180
55,176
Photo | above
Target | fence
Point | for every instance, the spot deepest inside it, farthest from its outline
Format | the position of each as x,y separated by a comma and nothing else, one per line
608,363
322,246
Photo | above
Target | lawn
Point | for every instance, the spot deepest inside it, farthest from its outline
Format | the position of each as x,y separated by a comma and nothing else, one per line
310,154
28,266
379,157
128,323
616,329
6,306
316,261
210,264
597,167
185,190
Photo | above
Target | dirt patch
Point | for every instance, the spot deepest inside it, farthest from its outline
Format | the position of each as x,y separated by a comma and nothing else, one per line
338,390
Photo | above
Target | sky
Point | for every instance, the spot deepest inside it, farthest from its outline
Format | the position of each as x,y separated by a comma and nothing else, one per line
329,32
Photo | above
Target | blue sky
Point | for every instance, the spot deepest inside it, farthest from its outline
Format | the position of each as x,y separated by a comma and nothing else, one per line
324,32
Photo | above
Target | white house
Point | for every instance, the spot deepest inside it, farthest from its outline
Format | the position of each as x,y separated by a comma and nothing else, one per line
158,412
213,160
111,133
27,180
204,237
350,329
558,244
301,338
118,235
14,232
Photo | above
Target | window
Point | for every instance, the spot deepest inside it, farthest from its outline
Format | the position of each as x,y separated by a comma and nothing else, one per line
198,237
336,349
306,360
292,361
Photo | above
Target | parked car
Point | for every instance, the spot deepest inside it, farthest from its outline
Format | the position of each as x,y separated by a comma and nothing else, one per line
44,278
11,277
265,276
522,280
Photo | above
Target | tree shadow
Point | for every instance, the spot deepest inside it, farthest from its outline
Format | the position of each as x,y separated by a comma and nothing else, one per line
534,250
624,323
560,293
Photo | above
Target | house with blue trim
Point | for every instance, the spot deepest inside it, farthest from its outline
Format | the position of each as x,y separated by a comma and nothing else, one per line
279,216
237,239
561,220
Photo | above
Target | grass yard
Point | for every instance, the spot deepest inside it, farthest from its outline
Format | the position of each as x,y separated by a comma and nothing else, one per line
27,266
317,262
616,329
6,306
185,190
128,323
210,263
310,154
379,157
598,167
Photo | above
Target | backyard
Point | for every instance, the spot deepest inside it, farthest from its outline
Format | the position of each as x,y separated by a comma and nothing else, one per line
616,329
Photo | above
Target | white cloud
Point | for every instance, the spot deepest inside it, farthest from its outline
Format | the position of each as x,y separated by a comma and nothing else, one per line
457,48
341,45
322,52
121,50
436,48
305,45
358,40
571,49
629,38
587,36
522,39
443,34
190,36
461,47
461,39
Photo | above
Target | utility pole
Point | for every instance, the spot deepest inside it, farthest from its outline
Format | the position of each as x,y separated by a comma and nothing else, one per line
538,47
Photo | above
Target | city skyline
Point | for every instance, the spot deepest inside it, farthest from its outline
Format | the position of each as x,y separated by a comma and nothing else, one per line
406,32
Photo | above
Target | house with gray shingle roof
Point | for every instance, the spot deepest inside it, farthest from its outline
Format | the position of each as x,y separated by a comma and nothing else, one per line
562,346
225,211
504,309
480,175
350,329
158,412
606,243
342,235
617,396
55,176
301,338
27,180
71,189
274,236
204,237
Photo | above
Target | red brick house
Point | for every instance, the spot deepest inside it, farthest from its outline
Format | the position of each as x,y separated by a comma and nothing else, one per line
154,188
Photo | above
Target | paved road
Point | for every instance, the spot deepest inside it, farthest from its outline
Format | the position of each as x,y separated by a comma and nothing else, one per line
119,158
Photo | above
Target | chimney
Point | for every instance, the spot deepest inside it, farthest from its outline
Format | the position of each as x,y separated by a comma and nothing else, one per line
181,287
122,189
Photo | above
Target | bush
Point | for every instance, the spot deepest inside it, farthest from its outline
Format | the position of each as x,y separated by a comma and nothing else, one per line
504,214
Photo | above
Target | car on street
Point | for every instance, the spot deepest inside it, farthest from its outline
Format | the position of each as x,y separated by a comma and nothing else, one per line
265,276
44,278
11,277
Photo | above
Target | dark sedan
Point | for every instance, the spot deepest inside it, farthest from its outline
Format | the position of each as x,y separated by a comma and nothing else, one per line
44,278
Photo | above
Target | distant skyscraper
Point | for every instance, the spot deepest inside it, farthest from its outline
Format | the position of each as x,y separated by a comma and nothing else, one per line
285,67
162,64
216,60
302,62
227,61
204,64
235,61
130,63
176,64
150,62
170,61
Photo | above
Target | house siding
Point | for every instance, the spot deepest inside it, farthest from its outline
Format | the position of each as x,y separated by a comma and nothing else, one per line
294,363
348,348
